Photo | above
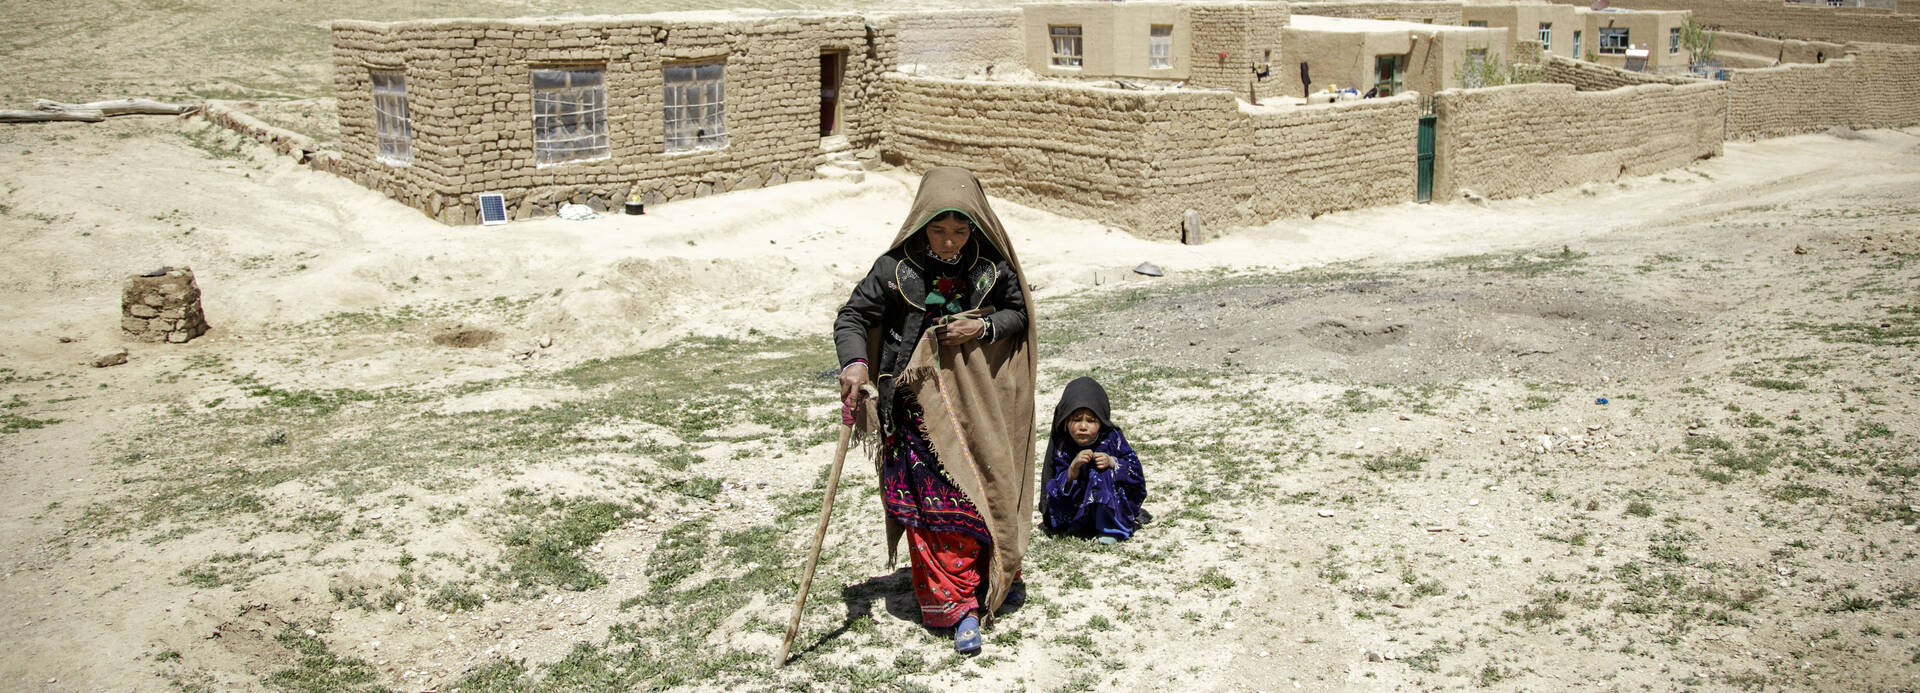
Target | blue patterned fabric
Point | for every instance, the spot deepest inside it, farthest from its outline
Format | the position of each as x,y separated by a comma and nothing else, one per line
1099,501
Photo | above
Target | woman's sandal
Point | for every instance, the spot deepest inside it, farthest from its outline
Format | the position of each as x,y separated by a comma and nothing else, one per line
966,636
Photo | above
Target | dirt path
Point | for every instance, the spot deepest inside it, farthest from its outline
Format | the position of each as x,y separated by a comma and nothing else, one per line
1372,438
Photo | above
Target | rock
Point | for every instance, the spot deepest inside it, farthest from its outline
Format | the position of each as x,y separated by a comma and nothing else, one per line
1373,657
546,341
111,357
1326,513
1149,269
1191,232
1473,502
400,607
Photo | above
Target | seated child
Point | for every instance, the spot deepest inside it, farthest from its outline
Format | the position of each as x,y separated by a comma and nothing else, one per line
1094,485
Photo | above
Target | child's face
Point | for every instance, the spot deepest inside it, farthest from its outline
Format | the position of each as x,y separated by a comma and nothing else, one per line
1083,427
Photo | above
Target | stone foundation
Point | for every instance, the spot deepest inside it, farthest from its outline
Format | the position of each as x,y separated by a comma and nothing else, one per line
162,306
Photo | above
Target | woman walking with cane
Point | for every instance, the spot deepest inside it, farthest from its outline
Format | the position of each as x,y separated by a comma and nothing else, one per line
940,326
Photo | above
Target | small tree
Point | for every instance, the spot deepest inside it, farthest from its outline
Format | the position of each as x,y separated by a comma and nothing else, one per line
1698,41
1483,72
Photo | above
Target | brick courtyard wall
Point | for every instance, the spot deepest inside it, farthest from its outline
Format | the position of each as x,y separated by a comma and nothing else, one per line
1746,50
469,97
1343,155
1586,76
1875,85
1785,20
1138,159
1527,139
1248,35
1410,11
956,43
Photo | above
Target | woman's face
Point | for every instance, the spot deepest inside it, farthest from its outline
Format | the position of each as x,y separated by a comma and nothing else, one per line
947,236
1083,427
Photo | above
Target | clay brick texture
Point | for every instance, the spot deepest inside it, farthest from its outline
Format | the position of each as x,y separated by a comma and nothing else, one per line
468,91
1801,21
1587,76
1528,139
1876,85
1448,13
1138,160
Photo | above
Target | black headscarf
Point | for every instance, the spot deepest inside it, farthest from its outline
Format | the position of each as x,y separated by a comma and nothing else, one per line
1082,393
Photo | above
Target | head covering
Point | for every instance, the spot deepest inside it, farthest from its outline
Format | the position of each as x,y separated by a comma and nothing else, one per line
978,397
1082,393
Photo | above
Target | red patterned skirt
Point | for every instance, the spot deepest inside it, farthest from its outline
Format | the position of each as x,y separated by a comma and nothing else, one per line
945,533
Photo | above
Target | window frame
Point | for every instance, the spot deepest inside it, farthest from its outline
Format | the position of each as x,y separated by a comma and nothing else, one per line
1673,40
697,97
1061,36
1476,24
1546,36
1160,47
1624,36
578,104
392,120
1576,44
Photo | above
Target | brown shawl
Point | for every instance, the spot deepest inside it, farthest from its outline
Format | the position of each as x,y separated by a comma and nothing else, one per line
977,397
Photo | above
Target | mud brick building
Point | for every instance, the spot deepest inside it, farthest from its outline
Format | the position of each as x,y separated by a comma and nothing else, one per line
1127,113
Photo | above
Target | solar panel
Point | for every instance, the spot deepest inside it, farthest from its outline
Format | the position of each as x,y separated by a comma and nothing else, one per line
493,209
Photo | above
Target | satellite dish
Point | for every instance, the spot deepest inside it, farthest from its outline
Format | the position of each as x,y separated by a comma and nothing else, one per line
1598,5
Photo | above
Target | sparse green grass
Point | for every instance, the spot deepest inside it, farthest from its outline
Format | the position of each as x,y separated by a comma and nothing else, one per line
318,670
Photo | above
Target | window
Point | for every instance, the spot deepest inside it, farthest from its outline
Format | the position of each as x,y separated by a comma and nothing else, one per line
1066,45
1477,22
1160,47
569,115
1673,40
696,106
392,129
1576,44
1613,41
1546,35
1387,70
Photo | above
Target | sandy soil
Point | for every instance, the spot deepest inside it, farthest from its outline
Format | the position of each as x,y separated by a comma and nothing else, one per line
1372,437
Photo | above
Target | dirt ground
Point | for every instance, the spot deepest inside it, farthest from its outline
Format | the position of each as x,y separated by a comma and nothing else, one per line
1649,435
1374,441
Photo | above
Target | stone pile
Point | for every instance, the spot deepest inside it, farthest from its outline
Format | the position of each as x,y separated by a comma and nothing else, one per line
162,306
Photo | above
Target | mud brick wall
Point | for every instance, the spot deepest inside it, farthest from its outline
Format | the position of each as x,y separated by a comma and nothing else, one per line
1527,139
1785,20
1746,50
164,308
1248,34
956,43
1586,76
1071,148
1343,155
1875,85
1410,11
1139,159
469,96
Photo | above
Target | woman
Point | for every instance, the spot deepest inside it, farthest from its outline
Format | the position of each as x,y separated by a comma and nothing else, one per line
940,326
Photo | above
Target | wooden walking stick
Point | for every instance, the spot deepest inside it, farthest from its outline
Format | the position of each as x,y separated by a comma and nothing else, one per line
820,533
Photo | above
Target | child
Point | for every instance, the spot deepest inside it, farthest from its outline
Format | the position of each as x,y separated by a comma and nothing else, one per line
1094,485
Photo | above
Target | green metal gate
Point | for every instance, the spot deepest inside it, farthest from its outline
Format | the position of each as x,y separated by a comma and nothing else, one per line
1423,187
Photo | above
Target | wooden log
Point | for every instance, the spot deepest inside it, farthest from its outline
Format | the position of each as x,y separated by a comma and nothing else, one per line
118,107
46,116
